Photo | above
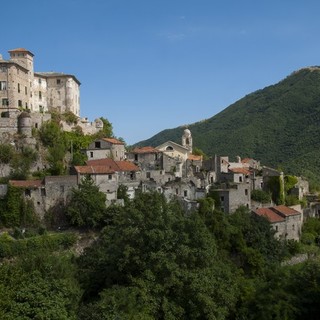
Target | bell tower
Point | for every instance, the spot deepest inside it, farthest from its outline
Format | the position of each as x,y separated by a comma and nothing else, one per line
187,139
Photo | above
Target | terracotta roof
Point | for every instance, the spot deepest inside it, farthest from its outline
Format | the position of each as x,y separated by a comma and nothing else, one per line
108,162
194,157
93,170
286,211
269,214
240,170
26,183
127,166
114,165
21,50
246,160
145,150
113,140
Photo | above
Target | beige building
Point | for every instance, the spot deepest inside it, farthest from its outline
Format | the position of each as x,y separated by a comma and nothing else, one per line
22,88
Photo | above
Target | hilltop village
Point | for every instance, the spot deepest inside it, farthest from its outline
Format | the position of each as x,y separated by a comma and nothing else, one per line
28,100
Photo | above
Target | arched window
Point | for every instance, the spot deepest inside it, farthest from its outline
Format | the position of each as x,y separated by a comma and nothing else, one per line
169,148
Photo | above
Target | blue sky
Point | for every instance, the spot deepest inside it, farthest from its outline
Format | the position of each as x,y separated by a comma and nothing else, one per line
149,65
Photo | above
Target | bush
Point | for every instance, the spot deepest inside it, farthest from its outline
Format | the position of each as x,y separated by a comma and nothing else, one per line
260,196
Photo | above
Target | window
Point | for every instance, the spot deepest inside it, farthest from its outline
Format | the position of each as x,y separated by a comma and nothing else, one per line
136,157
19,103
27,193
246,192
97,144
43,192
18,87
185,193
169,148
5,102
110,176
222,198
91,154
148,175
3,85
276,228
293,227
58,81
39,81
177,191
40,95
240,179
3,69
25,90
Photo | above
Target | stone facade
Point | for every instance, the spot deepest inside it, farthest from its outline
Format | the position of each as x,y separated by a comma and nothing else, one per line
106,148
22,88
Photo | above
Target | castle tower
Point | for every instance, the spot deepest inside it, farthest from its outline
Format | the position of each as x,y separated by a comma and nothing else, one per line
22,57
187,139
24,124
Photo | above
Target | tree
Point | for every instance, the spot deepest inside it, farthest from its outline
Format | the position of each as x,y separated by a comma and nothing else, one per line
87,205
21,163
260,196
38,286
155,261
107,130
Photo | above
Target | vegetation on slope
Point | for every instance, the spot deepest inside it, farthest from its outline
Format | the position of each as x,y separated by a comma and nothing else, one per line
278,125
152,261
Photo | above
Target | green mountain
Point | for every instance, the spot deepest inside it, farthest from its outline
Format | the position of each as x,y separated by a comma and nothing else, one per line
278,125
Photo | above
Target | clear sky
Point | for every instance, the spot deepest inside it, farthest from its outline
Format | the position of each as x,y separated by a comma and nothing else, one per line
149,65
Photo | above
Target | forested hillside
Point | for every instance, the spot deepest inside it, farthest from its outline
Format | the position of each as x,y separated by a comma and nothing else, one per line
152,261
279,125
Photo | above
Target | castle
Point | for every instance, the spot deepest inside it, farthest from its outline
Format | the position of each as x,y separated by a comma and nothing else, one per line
38,93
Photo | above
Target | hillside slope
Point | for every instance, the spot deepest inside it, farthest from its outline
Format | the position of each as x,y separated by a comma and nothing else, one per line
279,125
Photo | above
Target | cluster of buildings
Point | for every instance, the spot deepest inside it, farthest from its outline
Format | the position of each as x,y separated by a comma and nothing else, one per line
170,168
173,170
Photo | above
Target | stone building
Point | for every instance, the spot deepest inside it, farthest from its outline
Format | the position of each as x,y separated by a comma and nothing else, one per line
106,148
286,221
22,88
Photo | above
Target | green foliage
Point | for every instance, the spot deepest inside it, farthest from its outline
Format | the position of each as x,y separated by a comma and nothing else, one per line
70,117
15,211
87,204
122,193
260,196
6,155
213,194
291,200
276,188
107,130
252,239
289,182
21,163
153,262
9,247
38,286
199,152
50,133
